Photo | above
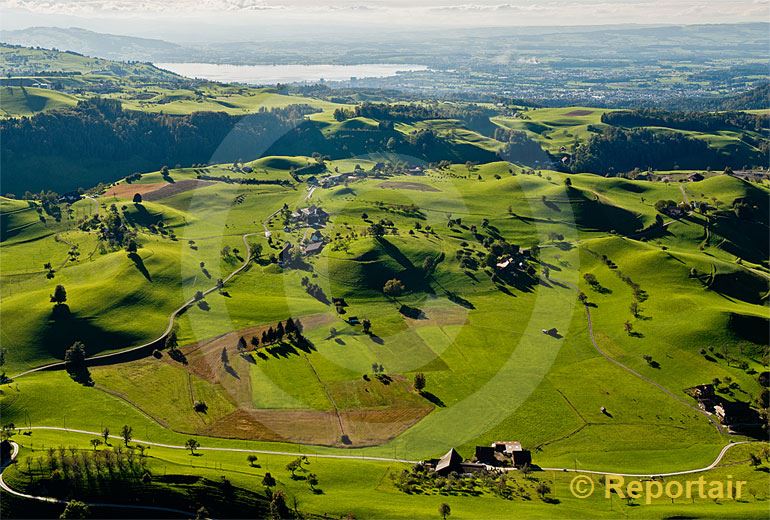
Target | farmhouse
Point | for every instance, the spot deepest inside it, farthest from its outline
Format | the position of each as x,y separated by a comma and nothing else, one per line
316,236
332,180
312,216
519,456
695,177
452,462
285,255
70,197
313,248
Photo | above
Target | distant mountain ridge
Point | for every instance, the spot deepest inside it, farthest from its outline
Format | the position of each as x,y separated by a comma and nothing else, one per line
90,43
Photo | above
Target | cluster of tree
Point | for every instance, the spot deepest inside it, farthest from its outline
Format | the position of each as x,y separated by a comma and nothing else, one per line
73,470
115,232
519,148
695,121
99,130
474,115
421,480
230,180
619,150
291,330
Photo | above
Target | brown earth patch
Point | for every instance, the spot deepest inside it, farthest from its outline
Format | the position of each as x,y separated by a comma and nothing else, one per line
127,191
417,186
362,427
579,113
379,418
175,188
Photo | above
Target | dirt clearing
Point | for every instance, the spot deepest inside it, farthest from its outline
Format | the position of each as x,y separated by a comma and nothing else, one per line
416,186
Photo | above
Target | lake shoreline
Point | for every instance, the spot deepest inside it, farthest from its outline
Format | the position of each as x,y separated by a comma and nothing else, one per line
274,74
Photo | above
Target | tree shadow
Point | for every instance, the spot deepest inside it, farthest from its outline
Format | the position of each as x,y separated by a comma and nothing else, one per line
61,311
139,264
433,398
412,312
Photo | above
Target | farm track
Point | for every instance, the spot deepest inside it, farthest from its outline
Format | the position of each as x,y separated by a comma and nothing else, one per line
640,376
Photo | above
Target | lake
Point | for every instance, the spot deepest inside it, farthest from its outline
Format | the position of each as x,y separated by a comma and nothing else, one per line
271,74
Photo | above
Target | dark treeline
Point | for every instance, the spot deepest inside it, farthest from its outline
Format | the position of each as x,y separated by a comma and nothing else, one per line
407,112
620,150
695,121
98,136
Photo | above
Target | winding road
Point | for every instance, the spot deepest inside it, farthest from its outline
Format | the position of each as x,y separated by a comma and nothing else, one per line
15,451
52,500
172,317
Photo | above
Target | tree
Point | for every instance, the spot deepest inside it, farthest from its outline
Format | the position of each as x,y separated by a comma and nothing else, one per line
106,435
543,489
171,340
754,461
268,481
137,198
293,466
192,445
252,459
444,510
628,327
279,331
75,358
419,381
241,344
126,433
367,326
312,480
59,295
393,287
75,509
96,443
291,327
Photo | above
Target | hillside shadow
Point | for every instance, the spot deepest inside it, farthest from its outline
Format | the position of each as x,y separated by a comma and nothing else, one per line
413,277
59,334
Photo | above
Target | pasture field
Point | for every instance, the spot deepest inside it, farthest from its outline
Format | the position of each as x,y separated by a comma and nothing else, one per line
353,486
23,101
594,396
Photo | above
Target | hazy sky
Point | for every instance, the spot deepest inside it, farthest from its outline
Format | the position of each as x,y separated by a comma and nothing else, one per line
212,19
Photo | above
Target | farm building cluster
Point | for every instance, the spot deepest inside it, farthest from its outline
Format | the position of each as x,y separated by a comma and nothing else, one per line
498,454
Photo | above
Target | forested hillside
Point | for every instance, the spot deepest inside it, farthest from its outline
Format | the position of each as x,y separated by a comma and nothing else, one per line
98,141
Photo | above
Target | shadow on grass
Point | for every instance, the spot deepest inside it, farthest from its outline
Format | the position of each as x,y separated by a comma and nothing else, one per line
139,263
433,398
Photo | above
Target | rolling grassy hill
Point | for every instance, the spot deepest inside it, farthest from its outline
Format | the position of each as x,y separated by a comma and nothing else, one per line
23,101
475,335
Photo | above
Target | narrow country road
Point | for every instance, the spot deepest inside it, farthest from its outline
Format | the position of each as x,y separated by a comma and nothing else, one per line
382,459
51,500
172,317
